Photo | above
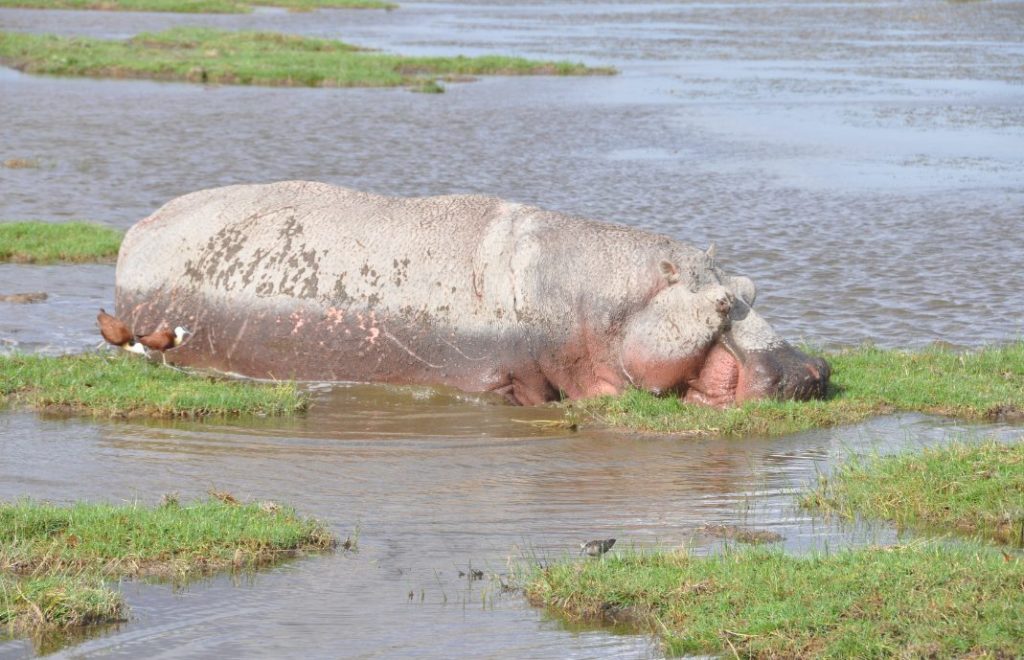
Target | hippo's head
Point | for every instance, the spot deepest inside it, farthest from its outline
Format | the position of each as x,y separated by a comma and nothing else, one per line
707,344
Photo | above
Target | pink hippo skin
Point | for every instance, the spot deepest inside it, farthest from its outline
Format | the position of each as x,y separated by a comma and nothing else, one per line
300,280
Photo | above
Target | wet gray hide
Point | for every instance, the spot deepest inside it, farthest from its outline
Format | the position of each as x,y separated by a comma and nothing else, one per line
310,281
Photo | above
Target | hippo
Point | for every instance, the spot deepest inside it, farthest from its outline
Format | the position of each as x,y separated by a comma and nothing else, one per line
309,281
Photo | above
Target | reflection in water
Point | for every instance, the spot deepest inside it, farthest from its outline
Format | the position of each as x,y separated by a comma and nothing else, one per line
866,179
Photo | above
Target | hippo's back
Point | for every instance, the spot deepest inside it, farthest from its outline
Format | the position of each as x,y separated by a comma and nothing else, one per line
262,244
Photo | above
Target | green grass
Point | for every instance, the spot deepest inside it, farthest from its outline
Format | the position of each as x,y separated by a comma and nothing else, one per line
171,540
251,58
866,382
920,600
54,560
67,242
197,6
975,489
924,599
127,385
37,603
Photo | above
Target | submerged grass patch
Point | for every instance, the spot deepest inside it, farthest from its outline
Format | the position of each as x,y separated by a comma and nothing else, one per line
983,384
920,600
975,489
67,242
251,58
124,385
198,6
53,560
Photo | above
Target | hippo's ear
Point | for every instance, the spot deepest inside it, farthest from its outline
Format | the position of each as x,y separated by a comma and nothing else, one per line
669,270
744,289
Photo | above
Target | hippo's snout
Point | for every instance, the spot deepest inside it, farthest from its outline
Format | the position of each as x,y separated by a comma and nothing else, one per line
814,382
782,372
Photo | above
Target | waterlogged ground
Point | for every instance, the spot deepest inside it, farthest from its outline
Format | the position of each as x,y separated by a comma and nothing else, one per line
861,161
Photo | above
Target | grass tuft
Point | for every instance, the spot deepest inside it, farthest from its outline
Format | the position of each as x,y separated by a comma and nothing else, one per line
973,489
428,87
47,243
122,385
33,604
207,55
987,384
916,600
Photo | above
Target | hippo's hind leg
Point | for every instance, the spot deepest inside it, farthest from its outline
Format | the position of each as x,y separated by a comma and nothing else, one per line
527,387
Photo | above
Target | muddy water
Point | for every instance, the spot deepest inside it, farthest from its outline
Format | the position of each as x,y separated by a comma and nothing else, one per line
863,162
437,484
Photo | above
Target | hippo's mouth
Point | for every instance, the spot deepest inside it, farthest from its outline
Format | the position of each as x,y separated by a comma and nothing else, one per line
719,378
731,375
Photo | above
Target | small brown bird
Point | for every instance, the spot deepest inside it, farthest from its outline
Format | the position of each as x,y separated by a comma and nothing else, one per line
161,340
597,547
113,329
117,333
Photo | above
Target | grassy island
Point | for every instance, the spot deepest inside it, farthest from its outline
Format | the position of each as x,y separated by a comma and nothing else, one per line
198,6
921,599
207,55
66,242
113,385
970,489
987,384
918,600
54,561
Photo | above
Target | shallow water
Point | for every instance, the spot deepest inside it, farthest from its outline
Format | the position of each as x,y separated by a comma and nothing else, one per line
435,484
863,162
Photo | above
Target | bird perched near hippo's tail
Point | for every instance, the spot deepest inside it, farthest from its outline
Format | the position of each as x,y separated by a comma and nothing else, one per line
116,333
161,340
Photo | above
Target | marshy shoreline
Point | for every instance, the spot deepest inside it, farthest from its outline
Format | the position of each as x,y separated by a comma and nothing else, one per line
122,385
904,599
836,171
983,385
57,562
